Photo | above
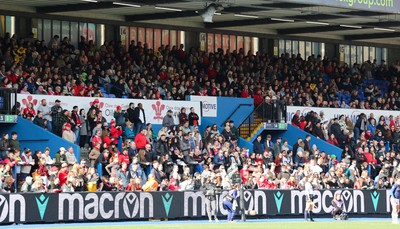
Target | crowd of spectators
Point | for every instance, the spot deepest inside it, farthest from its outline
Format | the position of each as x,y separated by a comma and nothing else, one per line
179,157
58,68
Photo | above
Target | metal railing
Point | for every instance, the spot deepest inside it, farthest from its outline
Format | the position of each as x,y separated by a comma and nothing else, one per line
270,111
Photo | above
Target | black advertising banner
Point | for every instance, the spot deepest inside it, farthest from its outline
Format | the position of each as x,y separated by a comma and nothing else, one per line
102,206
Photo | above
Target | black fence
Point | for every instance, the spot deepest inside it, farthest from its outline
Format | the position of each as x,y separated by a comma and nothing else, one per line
271,112
8,101
104,206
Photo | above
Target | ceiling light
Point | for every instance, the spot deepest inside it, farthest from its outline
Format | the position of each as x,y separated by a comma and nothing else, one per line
317,23
167,8
244,15
282,19
90,1
352,26
384,29
125,4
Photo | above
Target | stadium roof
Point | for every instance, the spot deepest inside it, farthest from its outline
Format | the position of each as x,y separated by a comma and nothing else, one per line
336,19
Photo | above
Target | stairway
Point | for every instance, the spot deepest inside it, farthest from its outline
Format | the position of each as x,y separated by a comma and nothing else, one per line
248,128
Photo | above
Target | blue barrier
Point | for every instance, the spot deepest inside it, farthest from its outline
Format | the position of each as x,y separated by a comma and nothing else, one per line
34,137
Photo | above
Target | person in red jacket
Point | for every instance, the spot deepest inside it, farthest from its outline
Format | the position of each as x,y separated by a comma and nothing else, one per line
63,174
141,139
369,157
97,138
258,98
115,132
124,157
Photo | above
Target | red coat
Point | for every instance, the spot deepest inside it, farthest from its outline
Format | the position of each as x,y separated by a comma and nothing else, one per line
258,99
123,158
369,158
115,133
62,176
141,141
96,139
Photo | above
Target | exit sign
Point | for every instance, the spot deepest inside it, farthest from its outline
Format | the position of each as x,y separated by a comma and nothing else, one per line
8,118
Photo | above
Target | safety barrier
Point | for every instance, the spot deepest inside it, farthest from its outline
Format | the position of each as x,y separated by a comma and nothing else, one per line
102,206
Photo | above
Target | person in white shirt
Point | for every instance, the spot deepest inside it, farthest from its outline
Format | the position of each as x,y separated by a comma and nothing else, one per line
46,110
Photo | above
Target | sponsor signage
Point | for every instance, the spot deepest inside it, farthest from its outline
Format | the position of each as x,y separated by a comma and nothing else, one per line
155,110
387,6
208,105
103,206
331,113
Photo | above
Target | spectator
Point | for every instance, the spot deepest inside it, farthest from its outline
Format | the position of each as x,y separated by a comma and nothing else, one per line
183,117
139,118
60,157
119,116
168,120
14,142
56,113
68,134
193,119
39,120
70,157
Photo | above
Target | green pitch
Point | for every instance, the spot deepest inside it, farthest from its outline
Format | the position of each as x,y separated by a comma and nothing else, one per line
253,225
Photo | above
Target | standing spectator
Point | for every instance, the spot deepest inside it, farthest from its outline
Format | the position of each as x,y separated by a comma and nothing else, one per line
115,132
139,118
141,140
14,142
234,130
130,113
4,146
94,154
68,134
268,144
56,113
94,109
193,119
119,116
83,132
28,162
29,112
77,123
257,146
168,120
46,111
296,119
182,116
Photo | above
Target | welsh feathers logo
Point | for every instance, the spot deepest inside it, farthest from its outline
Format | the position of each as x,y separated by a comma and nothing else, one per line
42,205
158,108
29,99
278,201
167,201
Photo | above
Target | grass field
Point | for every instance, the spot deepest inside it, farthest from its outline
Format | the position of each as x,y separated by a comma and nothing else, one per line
323,224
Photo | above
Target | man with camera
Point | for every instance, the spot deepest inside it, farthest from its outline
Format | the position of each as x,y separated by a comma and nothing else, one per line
210,190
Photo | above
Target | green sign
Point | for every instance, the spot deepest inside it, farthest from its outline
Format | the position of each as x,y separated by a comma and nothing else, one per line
8,118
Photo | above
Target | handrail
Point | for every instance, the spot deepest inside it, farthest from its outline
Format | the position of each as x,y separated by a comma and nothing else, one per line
233,112
266,114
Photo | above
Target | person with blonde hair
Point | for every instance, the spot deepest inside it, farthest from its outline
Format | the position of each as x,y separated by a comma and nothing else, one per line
151,184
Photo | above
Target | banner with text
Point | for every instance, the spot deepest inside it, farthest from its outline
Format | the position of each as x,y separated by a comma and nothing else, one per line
103,206
208,104
331,113
155,110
